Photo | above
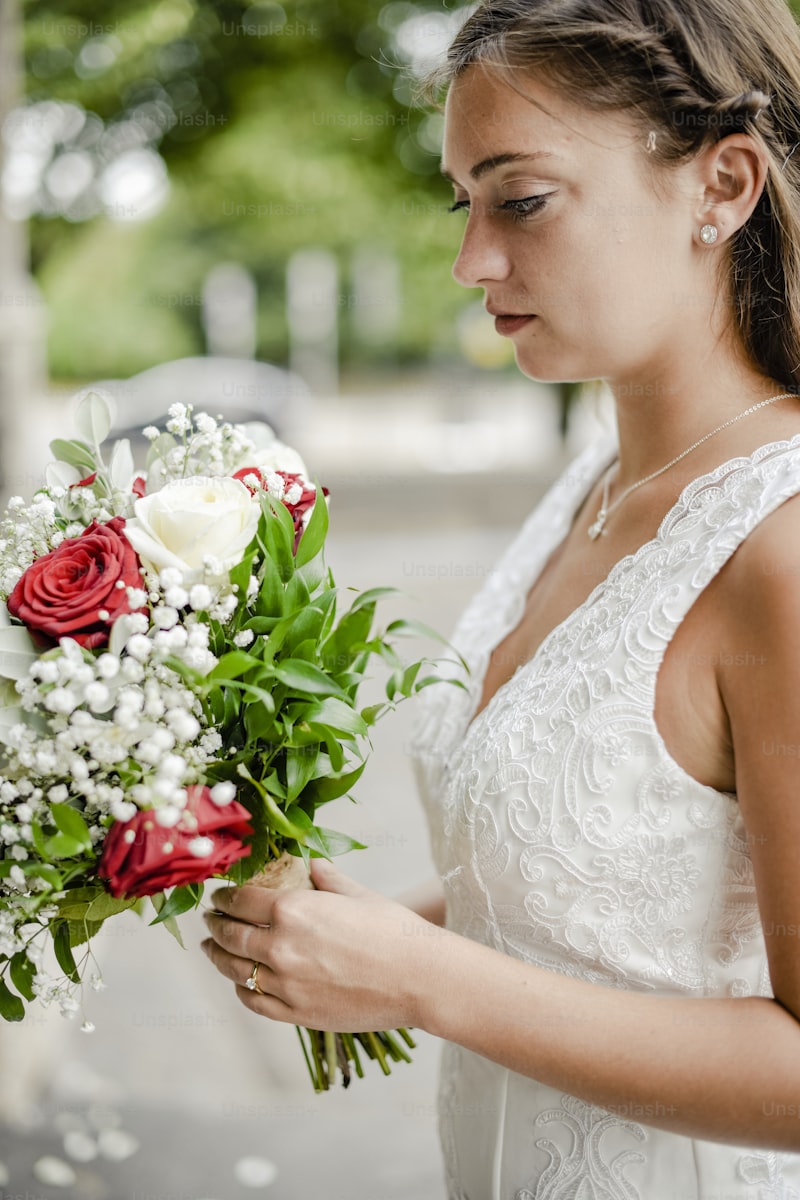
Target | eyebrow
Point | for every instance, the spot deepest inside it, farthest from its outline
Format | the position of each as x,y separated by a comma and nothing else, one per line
499,160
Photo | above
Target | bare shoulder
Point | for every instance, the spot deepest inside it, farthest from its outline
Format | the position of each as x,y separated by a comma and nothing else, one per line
761,592
759,683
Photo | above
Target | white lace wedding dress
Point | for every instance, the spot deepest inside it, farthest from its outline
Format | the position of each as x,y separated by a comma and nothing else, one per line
566,836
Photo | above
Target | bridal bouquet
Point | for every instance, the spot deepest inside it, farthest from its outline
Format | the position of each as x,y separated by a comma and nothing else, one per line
178,694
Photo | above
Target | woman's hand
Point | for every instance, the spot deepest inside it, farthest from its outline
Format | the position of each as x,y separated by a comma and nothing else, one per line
342,957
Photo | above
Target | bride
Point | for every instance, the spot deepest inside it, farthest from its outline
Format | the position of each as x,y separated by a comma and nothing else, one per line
612,953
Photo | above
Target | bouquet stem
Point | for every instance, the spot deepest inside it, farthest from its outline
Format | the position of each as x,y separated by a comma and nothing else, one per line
330,1052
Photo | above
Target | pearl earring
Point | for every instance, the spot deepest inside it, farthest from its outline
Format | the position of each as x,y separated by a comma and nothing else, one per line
709,234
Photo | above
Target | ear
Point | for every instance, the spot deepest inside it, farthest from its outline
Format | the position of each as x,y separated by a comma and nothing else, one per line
733,173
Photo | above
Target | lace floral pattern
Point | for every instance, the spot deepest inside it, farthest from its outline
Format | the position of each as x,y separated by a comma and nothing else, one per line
564,832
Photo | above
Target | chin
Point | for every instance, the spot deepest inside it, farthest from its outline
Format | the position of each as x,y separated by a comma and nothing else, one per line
541,371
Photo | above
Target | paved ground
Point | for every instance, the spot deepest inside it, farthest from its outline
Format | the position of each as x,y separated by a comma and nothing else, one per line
197,1083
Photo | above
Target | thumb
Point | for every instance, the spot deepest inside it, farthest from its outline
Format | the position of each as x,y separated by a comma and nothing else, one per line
328,878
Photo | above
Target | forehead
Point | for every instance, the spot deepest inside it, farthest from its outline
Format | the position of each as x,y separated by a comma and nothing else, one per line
488,117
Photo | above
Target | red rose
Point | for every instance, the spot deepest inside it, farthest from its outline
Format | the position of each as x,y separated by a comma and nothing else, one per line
300,507
139,486
141,857
87,482
78,589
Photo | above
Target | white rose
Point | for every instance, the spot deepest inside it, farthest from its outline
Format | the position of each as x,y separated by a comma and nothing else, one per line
269,452
190,519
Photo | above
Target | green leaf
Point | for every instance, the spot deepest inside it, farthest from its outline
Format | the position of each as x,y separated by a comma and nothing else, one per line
62,845
231,709
347,638
63,950
71,823
304,677
91,903
337,843
240,576
77,454
278,534
170,924
259,722
233,665
94,417
334,786
271,592
181,899
45,871
11,1007
274,786
337,716
315,532
298,596
22,974
314,574
260,625
372,595
334,748
39,840
83,931
301,767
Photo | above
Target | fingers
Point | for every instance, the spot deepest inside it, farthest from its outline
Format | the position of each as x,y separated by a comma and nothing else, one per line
265,1003
253,904
328,878
250,942
236,969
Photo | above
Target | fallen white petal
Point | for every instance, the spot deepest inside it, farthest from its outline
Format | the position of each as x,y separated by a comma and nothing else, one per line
54,1171
116,1144
255,1172
79,1146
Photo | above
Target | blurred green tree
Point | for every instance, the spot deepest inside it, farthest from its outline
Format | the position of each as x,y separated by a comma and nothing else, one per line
280,127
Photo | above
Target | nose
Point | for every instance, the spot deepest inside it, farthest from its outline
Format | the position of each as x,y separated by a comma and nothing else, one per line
482,256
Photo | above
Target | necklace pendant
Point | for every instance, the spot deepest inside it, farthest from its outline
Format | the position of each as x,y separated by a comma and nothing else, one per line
597,528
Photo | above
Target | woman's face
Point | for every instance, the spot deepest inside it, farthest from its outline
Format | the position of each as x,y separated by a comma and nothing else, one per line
567,233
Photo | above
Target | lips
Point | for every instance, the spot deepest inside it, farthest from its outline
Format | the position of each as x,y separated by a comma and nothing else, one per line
508,323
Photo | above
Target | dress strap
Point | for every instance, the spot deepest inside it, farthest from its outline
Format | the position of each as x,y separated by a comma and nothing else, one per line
712,518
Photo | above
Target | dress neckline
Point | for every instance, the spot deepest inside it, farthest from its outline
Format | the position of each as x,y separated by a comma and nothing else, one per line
628,561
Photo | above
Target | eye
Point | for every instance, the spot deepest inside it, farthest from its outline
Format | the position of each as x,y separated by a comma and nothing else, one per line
525,207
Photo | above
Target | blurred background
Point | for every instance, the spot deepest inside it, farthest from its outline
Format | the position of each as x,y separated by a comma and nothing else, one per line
239,206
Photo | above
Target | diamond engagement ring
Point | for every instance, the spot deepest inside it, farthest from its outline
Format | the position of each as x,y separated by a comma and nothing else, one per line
252,980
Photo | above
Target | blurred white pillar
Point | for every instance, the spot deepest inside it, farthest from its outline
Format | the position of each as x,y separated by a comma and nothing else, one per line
229,311
23,324
312,302
375,310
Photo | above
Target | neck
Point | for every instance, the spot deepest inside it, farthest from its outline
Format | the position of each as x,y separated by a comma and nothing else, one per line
661,413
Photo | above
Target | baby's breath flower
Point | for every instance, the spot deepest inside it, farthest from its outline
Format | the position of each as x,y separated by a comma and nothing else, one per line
176,597
122,810
222,793
139,647
200,597
165,617
107,666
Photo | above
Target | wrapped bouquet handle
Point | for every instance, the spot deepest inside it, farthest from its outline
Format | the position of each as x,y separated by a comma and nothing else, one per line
328,1053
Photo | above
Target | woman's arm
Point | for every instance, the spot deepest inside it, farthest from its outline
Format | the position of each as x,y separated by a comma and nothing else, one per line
426,900
723,1070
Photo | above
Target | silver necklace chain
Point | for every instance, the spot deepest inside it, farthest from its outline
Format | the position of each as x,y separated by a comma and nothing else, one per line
605,510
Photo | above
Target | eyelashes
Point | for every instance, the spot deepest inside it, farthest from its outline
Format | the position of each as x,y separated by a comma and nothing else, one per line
518,210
